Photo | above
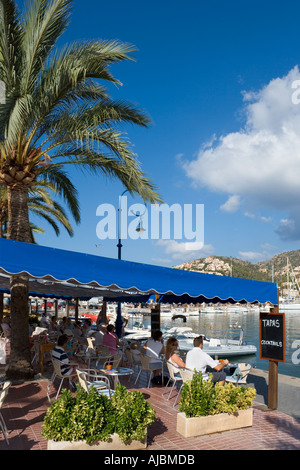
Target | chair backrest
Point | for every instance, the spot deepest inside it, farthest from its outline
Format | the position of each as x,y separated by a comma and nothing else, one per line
4,390
186,374
56,367
86,378
82,379
136,358
90,344
90,378
242,371
171,370
145,361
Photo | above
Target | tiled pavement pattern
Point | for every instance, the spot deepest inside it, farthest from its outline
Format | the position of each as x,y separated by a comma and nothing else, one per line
26,404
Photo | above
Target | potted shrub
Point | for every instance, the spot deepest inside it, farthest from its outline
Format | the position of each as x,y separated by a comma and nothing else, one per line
206,408
90,420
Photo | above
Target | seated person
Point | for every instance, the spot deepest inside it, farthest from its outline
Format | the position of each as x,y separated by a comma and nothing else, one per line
134,349
71,348
111,340
99,335
153,348
197,359
78,334
86,327
60,354
172,356
53,328
44,322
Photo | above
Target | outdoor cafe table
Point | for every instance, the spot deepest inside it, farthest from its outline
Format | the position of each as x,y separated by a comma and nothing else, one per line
116,373
88,357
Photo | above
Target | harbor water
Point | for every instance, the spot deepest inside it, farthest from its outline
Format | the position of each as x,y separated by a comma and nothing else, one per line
228,325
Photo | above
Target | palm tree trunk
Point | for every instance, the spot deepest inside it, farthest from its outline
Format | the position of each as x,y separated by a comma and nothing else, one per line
19,366
18,227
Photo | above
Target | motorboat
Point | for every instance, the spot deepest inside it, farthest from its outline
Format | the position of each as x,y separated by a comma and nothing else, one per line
193,312
289,305
137,332
214,347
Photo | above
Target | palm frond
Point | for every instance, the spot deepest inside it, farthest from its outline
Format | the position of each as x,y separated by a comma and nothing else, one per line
11,33
44,23
52,214
57,181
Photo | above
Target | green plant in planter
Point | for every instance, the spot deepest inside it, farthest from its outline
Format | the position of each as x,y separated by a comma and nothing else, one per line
132,414
92,417
198,397
203,398
231,398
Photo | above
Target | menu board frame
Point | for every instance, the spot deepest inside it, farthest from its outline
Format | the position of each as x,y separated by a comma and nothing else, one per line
272,336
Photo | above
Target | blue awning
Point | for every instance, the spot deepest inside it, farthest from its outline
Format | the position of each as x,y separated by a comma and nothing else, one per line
80,273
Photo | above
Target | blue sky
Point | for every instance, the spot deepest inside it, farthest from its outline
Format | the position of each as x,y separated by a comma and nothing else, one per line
216,78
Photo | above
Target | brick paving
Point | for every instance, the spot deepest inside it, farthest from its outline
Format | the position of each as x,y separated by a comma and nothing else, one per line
26,405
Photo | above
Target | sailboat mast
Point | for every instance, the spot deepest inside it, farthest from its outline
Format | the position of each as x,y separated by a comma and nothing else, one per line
287,278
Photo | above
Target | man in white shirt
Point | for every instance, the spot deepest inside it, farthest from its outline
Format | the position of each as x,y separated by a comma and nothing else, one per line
197,359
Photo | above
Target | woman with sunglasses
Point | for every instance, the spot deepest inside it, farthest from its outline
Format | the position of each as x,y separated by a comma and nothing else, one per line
172,356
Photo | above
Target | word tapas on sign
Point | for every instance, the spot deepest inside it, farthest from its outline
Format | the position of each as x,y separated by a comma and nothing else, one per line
272,336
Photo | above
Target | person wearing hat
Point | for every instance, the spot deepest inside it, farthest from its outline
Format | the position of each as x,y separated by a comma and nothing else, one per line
70,348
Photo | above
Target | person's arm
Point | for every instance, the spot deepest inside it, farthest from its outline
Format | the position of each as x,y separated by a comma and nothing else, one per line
162,351
143,350
177,360
221,365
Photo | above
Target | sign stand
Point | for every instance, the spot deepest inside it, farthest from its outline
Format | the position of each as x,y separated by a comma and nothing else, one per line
272,348
273,386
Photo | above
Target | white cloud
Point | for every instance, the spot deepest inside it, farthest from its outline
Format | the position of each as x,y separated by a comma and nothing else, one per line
232,204
185,251
252,256
261,162
266,219
267,251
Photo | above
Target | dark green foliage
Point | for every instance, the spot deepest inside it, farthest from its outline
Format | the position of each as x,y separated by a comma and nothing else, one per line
203,398
93,417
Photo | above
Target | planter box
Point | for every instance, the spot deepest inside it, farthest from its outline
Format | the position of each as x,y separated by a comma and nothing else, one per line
114,443
189,427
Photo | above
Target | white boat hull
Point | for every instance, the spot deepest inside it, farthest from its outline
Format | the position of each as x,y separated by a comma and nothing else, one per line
289,306
222,350
138,336
213,347
185,336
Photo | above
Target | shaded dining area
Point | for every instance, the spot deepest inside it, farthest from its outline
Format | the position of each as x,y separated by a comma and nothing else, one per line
27,403
71,275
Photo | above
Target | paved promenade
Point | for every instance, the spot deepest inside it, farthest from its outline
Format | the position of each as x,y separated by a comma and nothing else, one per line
288,391
26,405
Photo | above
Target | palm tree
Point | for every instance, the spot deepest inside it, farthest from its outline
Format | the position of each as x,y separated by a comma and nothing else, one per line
42,204
57,112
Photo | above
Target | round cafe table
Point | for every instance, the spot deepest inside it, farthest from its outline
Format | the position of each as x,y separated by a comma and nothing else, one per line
116,373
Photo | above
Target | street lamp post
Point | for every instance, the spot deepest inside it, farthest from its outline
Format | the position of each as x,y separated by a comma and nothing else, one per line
119,320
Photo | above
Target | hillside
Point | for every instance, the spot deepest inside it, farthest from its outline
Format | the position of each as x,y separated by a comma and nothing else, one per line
262,271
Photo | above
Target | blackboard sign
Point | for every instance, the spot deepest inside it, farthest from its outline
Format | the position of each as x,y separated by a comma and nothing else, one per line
272,336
